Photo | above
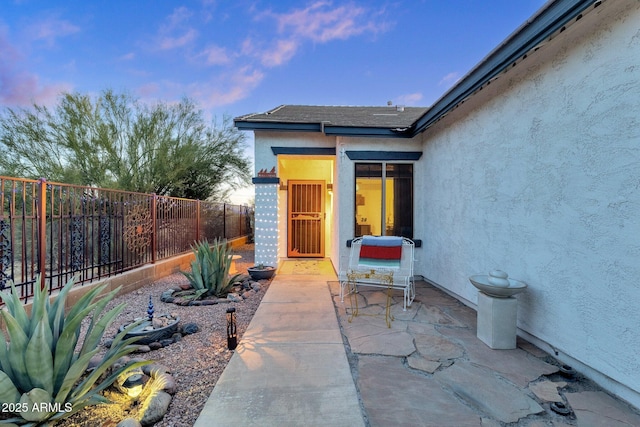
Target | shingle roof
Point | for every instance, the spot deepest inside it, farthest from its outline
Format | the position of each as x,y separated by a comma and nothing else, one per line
335,119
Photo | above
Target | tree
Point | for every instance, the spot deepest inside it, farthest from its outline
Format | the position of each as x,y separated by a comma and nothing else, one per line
114,141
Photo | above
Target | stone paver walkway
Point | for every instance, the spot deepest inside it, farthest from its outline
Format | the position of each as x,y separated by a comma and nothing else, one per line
430,369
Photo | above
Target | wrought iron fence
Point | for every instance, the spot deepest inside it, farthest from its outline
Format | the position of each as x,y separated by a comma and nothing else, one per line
58,231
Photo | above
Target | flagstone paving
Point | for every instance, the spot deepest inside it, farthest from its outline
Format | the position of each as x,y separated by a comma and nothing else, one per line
430,369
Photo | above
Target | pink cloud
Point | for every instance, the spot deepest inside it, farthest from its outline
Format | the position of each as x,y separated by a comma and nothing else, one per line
216,55
320,22
128,57
449,79
221,90
50,29
174,42
175,33
19,87
232,88
410,99
282,53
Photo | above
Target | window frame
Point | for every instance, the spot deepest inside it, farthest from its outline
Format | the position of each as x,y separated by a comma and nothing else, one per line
382,202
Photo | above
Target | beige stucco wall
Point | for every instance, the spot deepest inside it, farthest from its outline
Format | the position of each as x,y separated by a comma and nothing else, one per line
539,174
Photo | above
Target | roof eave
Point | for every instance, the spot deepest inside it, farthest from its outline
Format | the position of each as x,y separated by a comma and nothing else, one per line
360,131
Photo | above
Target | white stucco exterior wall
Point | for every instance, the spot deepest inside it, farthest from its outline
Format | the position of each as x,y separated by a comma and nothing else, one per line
538,174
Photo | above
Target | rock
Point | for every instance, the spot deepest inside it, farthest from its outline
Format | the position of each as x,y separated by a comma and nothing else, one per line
234,297
94,361
208,302
143,349
166,342
155,369
129,422
157,323
155,345
108,342
248,294
190,328
256,286
185,287
121,362
156,406
176,337
167,295
170,385
547,390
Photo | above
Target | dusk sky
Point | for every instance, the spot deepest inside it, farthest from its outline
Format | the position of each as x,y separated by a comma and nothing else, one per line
245,56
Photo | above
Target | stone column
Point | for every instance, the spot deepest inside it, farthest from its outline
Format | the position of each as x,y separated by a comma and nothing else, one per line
266,221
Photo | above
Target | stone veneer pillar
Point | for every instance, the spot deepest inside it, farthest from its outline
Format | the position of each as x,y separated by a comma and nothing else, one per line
266,221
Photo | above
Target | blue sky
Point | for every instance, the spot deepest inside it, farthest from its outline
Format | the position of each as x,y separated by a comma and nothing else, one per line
243,56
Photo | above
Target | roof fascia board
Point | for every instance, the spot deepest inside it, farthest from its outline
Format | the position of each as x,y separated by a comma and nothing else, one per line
366,131
383,155
291,127
265,180
323,128
526,37
305,151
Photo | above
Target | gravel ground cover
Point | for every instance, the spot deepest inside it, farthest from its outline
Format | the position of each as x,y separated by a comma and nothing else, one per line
196,362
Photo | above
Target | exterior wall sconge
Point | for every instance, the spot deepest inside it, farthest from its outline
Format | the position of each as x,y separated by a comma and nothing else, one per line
232,336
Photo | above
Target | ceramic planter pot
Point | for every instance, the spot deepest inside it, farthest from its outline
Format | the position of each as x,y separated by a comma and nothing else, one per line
261,273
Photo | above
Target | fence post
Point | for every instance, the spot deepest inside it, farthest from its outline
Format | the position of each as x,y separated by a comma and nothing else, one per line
42,231
154,228
197,220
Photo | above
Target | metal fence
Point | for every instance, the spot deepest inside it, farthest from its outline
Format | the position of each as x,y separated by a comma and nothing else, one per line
58,231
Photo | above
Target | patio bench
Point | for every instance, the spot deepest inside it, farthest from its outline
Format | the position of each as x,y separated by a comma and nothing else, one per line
370,264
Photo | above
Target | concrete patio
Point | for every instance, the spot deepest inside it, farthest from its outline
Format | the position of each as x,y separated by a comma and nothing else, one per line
299,364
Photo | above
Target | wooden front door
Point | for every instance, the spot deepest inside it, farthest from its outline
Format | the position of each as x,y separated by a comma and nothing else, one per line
306,217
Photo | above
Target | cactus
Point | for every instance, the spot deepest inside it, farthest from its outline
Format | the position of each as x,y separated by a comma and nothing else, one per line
209,273
41,371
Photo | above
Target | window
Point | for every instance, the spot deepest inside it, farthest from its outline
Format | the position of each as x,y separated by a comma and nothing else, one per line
384,199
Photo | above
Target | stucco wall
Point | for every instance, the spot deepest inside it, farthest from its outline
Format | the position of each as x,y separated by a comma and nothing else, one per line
539,174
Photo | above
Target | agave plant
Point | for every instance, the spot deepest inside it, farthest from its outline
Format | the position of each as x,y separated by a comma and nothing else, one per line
43,376
209,273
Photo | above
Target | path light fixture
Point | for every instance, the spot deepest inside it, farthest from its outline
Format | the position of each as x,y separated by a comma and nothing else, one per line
232,336
134,384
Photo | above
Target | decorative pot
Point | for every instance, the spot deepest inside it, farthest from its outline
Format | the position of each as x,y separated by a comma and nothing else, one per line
261,273
148,335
